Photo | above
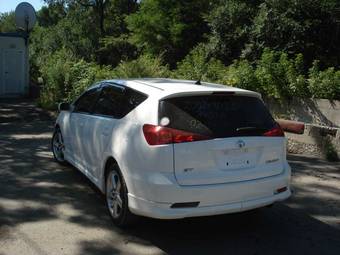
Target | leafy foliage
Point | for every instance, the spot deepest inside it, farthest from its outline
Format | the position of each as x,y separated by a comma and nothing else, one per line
115,49
242,74
230,23
198,66
279,76
324,84
65,78
7,22
281,49
297,26
170,28
144,66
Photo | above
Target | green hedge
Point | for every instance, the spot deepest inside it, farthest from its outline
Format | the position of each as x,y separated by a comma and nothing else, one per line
274,75
197,66
324,84
65,77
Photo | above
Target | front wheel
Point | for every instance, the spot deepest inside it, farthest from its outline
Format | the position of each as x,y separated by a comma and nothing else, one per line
58,146
117,198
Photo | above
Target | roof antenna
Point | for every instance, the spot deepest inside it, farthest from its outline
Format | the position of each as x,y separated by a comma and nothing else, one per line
198,82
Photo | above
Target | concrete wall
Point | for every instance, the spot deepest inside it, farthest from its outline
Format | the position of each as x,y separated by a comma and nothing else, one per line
322,112
316,140
322,125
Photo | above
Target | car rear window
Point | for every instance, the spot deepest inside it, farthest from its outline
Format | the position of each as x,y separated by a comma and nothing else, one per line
217,116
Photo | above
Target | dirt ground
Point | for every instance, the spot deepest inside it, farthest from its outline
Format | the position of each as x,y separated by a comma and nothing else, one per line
49,209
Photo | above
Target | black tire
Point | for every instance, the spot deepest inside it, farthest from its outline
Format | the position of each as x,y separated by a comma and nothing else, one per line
58,157
125,217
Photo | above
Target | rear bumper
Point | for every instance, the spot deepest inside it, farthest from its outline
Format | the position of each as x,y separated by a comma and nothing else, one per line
155,199
163,210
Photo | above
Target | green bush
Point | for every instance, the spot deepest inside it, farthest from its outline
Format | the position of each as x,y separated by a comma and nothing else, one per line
279,76
198,66
114,49
241,74
82,75
274,75
53,73
142,67
65,78
331,152
324,84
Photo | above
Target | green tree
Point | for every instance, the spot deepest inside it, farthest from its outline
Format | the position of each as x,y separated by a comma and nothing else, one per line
169,27
230,23
144,66
50,15
115,46
74,26
297,26
198,65
324,84
7,22
98,7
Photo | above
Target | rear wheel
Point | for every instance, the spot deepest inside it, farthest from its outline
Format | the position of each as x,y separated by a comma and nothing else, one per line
117,198
58,146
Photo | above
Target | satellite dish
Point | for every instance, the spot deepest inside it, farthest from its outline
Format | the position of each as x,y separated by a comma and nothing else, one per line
25,17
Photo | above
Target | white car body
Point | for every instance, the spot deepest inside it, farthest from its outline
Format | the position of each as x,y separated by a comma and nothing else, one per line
177,180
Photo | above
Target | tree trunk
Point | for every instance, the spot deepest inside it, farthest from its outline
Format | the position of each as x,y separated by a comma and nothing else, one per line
101,9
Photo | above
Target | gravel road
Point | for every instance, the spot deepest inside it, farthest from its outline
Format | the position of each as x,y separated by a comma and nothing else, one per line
49,209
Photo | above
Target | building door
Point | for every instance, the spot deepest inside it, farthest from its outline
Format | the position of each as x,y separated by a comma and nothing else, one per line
13,72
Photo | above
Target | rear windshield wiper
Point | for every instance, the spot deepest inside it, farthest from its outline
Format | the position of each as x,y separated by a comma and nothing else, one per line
245,129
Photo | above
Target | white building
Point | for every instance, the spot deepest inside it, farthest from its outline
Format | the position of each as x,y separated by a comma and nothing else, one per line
14,69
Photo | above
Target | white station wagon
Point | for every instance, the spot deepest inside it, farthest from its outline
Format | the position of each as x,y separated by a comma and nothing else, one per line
171,149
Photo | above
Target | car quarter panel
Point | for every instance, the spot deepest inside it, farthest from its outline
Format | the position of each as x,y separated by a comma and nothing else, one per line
136,159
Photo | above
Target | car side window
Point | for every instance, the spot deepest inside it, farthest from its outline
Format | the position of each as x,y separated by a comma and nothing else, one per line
117,103
85,103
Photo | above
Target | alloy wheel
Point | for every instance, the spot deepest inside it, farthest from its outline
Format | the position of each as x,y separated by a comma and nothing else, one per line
58,146
113,194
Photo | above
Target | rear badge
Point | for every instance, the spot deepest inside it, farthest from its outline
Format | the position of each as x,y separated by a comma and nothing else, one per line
240,143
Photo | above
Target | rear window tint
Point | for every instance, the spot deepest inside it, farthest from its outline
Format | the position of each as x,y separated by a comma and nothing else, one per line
86,101
115,103
217,115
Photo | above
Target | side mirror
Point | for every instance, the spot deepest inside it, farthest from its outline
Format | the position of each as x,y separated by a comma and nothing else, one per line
64,107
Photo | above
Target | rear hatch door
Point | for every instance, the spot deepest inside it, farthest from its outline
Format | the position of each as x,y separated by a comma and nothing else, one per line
240,145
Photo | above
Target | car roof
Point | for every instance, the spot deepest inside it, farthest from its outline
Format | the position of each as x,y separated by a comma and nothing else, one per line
163,87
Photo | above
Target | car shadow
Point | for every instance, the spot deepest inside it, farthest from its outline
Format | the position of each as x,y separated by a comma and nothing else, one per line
33,186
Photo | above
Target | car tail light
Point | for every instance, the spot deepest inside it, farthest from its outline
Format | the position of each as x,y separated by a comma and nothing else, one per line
275,131
157,135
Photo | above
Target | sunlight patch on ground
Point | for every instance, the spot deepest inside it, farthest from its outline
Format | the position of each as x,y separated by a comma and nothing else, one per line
27,136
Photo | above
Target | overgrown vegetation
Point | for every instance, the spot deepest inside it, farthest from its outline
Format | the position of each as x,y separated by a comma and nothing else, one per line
282,49
330,150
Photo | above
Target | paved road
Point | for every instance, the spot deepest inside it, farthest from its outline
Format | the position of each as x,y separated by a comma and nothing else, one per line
49,209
